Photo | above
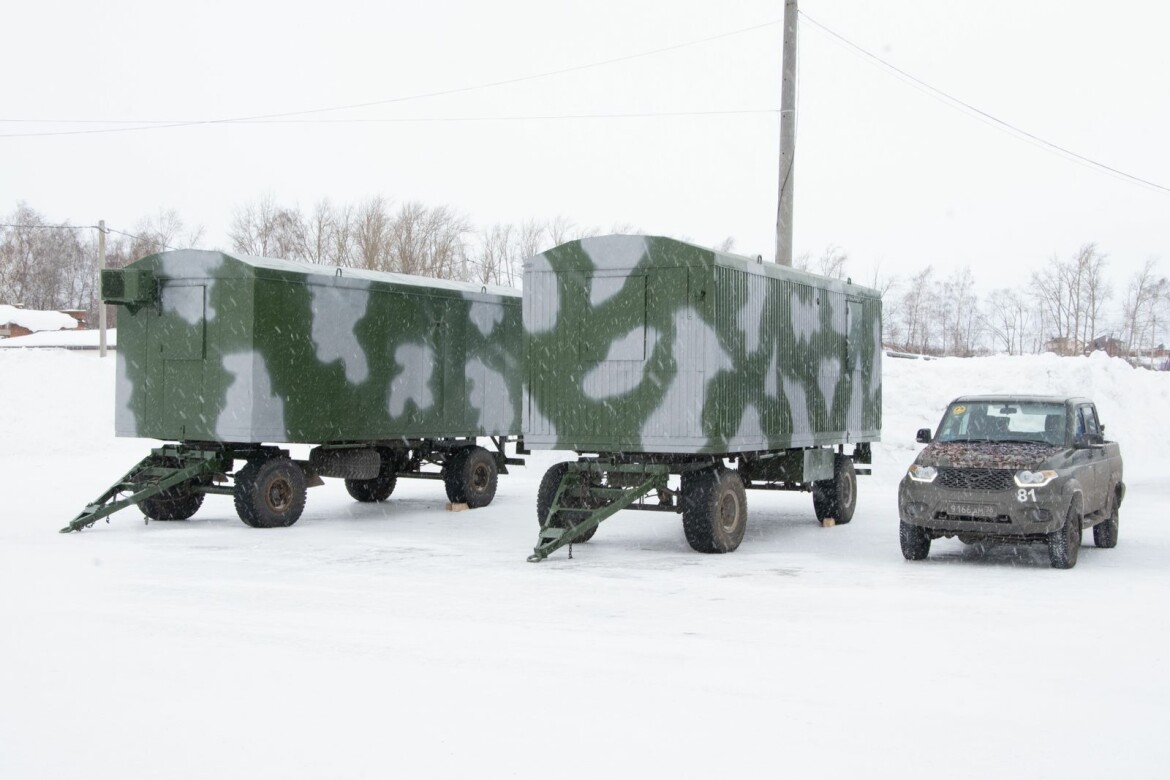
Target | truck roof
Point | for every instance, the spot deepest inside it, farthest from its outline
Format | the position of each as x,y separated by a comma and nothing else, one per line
1022,398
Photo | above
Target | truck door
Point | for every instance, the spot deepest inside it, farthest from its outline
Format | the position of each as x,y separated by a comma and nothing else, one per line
1095,486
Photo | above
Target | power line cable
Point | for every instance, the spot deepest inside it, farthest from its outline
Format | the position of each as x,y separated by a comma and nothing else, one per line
979,113
108,229
163,124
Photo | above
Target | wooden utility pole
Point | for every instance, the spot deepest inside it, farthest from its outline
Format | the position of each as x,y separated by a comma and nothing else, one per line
787,137
101,305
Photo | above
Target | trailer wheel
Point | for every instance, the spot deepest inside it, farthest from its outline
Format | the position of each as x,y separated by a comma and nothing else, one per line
378,488
544,499
470,477
837,497
178,503
270,493
714,510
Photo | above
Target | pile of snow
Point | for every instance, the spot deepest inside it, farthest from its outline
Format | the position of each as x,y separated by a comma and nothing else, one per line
34,320
1133,403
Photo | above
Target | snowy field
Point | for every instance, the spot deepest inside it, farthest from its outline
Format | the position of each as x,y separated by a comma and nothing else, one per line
400,640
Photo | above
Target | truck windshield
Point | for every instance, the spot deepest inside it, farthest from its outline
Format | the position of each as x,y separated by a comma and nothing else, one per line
1028,421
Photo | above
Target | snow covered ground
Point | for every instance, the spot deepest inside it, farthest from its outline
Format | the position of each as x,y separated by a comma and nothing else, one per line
400,640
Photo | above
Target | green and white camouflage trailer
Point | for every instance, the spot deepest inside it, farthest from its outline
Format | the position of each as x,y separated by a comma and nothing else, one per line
388,375
651,357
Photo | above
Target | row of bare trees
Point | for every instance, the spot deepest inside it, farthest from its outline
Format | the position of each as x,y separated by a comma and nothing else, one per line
53,265
50,265
411,237
1063,309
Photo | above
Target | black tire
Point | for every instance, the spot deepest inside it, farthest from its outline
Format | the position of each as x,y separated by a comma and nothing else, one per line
270,493
714,510
178,503
544,499
379,488
1064,544
470,477
915,541
837,497
1105,532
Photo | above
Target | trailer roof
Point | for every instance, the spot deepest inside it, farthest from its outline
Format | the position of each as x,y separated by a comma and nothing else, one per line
205,259
623,251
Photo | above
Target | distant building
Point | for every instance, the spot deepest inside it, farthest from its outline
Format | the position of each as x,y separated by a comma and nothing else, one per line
1107,344
15,321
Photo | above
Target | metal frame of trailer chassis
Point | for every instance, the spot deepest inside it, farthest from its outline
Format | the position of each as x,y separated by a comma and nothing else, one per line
604,502
216,461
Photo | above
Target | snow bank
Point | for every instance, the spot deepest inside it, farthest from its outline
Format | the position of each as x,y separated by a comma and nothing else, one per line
1133,403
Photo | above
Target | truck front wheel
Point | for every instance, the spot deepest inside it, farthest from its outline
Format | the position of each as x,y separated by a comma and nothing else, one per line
1105,532
1064,544
915,542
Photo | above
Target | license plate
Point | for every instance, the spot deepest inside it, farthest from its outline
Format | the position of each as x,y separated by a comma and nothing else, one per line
971,510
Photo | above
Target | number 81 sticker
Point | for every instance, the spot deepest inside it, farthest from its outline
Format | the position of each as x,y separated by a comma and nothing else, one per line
1025,495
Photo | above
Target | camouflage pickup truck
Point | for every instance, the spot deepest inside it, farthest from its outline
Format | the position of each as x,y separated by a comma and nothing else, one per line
1016,469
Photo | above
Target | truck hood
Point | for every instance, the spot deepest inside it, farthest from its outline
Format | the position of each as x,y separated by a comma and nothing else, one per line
986,455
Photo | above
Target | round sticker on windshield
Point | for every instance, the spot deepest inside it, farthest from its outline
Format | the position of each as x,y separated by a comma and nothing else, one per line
958,410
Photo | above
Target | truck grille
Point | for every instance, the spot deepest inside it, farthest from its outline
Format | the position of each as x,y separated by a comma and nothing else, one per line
975,479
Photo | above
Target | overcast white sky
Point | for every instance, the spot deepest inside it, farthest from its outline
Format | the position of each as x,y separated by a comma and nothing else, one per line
888,173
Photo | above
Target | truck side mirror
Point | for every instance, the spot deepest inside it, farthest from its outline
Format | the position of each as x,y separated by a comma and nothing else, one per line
1090,441
923,436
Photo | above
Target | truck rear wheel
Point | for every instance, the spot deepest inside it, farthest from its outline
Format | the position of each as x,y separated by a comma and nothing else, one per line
915,541
270,493
470,477
714,510
564,518
836,498
1064,544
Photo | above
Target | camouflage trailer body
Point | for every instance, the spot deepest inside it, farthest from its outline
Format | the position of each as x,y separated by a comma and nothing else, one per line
244,349
646,344
385,373
648,350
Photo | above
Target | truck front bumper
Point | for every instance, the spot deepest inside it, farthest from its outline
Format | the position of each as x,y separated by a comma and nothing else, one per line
984,513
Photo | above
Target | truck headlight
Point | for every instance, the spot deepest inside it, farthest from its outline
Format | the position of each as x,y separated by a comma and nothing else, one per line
923,473
1034,478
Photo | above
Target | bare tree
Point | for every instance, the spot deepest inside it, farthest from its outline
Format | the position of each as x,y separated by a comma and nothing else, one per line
1071,296
372,236
1010,318
831,262
267,229
1146,308
38,262
429,241
914,311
